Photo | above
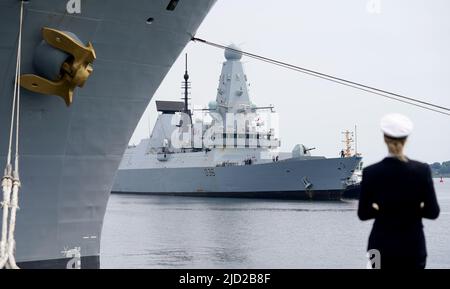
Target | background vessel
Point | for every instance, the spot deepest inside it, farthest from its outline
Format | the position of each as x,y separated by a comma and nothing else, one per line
235,154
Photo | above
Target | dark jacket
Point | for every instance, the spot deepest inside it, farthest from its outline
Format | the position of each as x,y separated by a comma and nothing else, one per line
398,188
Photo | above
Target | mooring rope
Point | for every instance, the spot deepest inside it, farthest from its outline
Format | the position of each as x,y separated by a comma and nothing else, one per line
370,89
11,180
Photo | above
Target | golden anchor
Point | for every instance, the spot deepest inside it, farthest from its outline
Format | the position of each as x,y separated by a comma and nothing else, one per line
74,71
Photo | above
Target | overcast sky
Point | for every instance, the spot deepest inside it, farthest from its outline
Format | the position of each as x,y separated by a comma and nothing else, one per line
402,47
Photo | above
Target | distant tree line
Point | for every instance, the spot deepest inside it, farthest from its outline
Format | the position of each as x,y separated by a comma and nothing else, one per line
439,169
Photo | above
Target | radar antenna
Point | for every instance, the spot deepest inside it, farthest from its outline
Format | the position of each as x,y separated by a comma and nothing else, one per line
348,141
186,85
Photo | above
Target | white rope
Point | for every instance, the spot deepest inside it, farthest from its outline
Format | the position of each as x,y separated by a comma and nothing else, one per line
6,187
11,181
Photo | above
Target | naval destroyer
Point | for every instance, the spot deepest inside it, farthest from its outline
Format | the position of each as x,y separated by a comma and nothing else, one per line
233,152
87,70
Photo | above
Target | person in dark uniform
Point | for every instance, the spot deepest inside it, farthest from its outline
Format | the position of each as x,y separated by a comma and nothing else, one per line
398,192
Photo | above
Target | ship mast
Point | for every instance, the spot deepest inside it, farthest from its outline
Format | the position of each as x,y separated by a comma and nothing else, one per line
186,85
348,141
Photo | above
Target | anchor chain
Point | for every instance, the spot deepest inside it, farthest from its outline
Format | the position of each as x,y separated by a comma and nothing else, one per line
11,180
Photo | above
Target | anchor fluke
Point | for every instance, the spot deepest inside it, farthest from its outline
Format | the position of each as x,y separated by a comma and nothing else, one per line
44,86
66,43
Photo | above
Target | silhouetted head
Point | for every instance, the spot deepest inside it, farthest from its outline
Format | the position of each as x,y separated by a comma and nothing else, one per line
395,147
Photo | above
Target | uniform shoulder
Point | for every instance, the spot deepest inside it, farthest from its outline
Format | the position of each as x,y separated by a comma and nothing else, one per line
373,167
419,165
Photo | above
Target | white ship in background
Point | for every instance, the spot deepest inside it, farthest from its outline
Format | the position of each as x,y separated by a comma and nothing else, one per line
236,153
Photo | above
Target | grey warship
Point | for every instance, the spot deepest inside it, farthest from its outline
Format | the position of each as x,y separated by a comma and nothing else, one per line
234,154
88,71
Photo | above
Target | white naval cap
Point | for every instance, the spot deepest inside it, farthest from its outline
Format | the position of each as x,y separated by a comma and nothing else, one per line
396,125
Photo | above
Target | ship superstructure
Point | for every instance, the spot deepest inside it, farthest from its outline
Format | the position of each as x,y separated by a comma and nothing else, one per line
235,153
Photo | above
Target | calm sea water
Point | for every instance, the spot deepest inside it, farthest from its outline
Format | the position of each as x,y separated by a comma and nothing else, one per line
181,232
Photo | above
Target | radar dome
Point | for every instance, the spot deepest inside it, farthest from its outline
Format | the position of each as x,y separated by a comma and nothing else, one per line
232,54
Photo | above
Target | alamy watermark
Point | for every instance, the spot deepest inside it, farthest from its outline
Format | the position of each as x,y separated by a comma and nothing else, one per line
373,6
73,6
75,257
374,257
